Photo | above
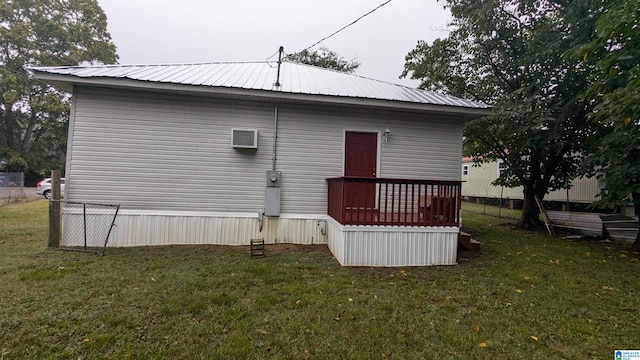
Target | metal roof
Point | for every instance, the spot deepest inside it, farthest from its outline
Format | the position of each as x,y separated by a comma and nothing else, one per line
294,79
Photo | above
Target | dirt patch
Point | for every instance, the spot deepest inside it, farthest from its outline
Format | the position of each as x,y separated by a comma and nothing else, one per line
378,271
295,248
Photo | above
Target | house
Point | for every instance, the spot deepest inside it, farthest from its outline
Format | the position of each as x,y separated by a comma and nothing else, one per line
222,153
478,179
576,213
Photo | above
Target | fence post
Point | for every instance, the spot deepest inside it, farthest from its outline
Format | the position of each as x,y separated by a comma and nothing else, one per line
486,196
500,207
84,219
22,193
55,223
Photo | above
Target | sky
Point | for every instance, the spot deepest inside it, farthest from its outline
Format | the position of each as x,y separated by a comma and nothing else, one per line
196,31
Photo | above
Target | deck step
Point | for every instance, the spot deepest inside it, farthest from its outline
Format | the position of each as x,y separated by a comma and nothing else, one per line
257,247
467,242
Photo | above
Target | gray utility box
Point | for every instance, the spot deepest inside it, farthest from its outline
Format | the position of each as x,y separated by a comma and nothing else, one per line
274,178
272,193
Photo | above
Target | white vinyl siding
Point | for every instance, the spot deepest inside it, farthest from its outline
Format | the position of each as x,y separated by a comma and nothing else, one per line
311,147
161,152
173,152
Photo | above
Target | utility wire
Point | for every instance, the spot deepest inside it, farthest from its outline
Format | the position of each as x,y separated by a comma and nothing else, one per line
346,26
274,54
26,73
334,33
267,60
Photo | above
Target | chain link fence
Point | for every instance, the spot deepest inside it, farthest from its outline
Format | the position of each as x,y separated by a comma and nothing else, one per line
11,186
87,226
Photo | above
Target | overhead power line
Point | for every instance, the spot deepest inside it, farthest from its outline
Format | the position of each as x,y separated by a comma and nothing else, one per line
346,26
269,58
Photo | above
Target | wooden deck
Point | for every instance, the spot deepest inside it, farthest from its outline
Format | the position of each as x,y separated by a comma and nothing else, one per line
394,202
375,217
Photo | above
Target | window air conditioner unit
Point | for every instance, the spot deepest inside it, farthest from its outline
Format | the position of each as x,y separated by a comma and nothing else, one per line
244,138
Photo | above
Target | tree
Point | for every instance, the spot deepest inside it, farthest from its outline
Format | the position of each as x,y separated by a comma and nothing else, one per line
325,58
614,53
509,54
33,115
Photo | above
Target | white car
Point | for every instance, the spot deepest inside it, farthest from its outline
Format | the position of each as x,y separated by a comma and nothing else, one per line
44,187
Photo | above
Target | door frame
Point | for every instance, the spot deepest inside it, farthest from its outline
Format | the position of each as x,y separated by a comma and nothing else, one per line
378,146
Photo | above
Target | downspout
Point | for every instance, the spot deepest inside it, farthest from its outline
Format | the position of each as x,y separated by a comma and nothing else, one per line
70,132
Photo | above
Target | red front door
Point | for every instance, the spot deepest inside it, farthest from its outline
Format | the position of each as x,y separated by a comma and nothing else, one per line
361,158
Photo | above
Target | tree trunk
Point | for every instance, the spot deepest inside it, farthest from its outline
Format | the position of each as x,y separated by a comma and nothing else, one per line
530,217
9,125
28,131
636,205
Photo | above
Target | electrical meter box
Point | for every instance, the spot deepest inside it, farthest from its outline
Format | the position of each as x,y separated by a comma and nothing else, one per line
273,178
272,193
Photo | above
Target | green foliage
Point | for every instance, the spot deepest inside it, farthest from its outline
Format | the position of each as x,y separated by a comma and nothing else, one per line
33,115
509,54
324,58
613,54
618,157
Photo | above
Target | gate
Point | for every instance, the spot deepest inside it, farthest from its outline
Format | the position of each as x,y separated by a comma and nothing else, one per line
87,226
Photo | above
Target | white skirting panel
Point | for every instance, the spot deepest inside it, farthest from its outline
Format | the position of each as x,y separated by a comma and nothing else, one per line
336,237
392,246
140,228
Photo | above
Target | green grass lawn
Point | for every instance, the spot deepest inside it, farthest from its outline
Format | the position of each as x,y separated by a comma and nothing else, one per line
526,296
492,210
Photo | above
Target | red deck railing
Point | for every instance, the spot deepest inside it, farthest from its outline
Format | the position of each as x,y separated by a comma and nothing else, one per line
395,202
